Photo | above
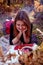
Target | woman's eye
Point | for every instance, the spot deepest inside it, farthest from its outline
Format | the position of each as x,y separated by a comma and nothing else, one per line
18,24
23,25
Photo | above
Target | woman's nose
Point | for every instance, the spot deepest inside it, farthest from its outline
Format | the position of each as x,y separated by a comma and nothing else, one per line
20,27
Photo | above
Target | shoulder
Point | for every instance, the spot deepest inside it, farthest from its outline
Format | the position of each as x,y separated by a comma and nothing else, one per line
11,26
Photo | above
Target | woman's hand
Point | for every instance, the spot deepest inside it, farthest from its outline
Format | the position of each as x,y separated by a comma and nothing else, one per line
24,29
26,38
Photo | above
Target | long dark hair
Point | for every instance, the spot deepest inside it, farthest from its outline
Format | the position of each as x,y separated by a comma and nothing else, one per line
22,15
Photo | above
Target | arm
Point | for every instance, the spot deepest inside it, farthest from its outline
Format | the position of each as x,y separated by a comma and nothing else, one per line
16,39
26,38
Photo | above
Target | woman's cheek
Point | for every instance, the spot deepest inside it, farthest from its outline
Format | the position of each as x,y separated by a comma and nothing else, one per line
23,28
18,28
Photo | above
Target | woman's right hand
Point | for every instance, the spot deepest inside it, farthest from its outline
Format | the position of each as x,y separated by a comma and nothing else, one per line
20,32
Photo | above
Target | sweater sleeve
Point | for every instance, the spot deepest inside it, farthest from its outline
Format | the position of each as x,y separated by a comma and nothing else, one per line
11,34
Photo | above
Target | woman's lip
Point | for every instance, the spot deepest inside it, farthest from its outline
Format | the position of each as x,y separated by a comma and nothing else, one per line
20,29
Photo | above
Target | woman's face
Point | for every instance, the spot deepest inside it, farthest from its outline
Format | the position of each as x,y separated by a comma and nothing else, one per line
20,26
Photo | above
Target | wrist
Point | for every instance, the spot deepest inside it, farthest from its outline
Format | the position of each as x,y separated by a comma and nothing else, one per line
23,32
20,33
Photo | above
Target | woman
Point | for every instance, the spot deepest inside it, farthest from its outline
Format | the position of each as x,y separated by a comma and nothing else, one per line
20,30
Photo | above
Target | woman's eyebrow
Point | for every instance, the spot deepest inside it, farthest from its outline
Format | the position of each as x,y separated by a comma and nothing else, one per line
18,24
23,24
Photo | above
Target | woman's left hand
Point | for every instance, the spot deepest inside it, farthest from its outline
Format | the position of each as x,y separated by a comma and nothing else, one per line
24,29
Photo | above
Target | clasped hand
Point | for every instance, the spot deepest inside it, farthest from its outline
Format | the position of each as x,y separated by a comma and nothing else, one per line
23,30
